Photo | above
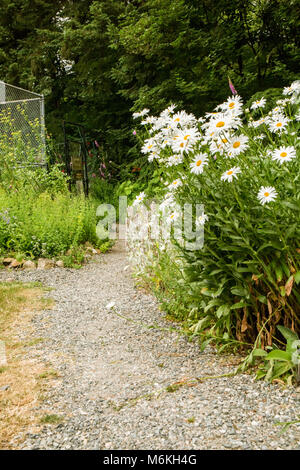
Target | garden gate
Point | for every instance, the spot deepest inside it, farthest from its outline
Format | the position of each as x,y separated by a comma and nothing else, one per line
76,155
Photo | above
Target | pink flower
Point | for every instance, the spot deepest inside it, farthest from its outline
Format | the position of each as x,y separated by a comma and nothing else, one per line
233,90
96,143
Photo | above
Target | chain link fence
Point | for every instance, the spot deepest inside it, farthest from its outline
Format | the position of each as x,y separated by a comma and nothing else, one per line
22,123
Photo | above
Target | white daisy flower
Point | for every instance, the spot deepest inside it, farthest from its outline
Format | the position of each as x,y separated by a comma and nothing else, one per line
110,305
284,154
140,197
171,108
197,166
183,119
173,216
259,136
149,120
258,103
149,146
217,146
167,203
230,174
266,194
259,122
278,123
153,156
276,110
174,160
233,105
294,87
222,122
185,140
175,184
141,113
237,145
200,221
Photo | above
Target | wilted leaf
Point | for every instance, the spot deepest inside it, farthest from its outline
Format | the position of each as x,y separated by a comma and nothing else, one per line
289,285
244,325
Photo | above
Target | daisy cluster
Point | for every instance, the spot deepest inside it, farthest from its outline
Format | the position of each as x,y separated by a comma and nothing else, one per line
189,146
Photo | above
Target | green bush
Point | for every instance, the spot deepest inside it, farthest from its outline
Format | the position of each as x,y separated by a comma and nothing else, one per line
43,225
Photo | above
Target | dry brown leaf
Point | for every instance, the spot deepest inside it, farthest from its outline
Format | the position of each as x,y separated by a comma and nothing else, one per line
244,325
270,310
289,285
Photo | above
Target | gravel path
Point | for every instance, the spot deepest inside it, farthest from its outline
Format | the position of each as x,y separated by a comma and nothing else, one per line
116,389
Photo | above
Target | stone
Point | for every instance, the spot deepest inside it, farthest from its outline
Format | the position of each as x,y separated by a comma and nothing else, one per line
44,263
15,264
29,264
59,264
7,261
4,388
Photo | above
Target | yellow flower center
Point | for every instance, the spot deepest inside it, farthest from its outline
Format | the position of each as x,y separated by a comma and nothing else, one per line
266,194
231,105
149,146
182,144
236,145
186,137
220,124
224,141
283,154
229,172
198,162
279,124
177,119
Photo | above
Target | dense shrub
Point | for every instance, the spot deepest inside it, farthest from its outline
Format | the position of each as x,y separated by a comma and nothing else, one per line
41,225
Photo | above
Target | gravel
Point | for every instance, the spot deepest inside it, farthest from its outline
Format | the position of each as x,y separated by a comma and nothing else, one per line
114,371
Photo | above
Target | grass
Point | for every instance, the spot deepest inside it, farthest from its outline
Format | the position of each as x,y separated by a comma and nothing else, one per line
18,304
51,419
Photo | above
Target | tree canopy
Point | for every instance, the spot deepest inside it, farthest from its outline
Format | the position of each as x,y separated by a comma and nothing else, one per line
96,61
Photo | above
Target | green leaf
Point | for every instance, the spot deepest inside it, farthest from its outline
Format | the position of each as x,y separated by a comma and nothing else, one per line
263,299
281,369
240,304
290,205
212,303
223,311
278,355
259,352
260,374
200,325
297,277
279,273
287,333
240,291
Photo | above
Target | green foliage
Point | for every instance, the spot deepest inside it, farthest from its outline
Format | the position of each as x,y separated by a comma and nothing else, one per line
97,60
40,225
283,364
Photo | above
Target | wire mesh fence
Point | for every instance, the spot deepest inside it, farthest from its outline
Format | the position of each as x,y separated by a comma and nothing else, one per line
22,123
